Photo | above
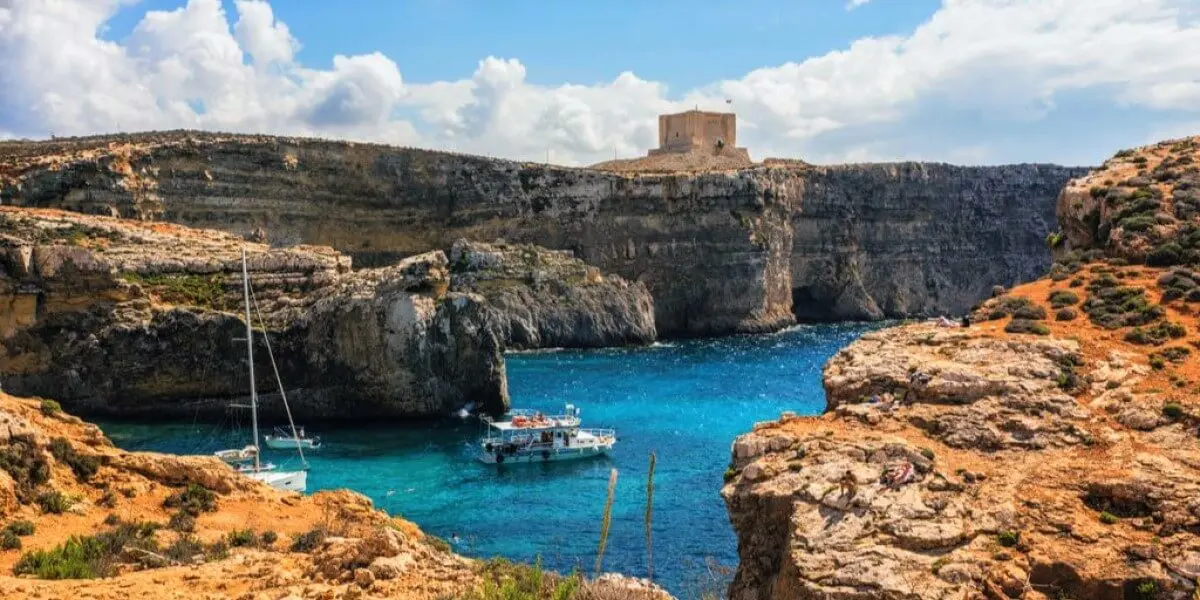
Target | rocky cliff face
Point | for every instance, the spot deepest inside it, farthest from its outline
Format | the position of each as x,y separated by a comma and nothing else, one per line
894,240
547,298
983,463
116,316
711,248
720,252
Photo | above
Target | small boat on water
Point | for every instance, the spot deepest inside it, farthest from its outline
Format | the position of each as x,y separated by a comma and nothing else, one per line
246,460
281,439
529,436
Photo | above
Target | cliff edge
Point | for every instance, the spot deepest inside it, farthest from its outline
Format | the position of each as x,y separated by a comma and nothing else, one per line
1047,451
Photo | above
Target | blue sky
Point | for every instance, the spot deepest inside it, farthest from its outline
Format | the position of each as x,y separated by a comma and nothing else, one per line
578,41
965,81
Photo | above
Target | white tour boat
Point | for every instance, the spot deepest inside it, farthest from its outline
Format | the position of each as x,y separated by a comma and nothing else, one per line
531,437
246,460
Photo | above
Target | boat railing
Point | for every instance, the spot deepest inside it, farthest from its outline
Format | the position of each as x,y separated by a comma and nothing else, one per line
600,432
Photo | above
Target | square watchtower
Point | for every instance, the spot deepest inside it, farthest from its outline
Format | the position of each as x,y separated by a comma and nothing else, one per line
697,131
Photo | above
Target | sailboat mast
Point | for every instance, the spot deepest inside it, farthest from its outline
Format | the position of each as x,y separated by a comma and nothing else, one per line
250,355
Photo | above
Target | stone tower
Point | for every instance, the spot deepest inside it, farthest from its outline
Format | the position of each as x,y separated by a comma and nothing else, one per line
698,131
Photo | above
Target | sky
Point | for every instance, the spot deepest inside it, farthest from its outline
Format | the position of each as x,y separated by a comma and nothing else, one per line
582,81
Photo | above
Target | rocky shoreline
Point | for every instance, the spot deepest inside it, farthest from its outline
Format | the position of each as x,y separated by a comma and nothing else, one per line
161,304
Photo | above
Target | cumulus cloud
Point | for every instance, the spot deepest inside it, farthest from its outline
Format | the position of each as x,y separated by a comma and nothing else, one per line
853,4
964,85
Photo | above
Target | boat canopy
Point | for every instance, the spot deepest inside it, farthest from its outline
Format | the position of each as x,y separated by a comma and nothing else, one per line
528,420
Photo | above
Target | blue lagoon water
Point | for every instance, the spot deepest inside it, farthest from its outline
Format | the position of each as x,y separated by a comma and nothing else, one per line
685,401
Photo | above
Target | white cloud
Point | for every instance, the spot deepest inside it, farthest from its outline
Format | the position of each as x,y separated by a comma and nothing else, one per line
853,4
1009,61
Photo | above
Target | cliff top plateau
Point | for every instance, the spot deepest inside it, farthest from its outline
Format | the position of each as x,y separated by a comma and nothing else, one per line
1049,450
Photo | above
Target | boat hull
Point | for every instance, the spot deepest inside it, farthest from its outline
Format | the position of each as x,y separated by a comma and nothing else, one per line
292,481
543,456
290,443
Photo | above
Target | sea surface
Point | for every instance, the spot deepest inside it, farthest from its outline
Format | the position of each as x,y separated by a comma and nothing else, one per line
683,401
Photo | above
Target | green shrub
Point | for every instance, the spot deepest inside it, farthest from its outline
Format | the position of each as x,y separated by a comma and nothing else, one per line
50,408
83,466
54,502
927,453
1108,518
1173,411
22,527
730,473
269,537
195,290
26,464
194,500
307,542
9,540
1066,314
182,521
1147,590
1054,239
1138,224
1157,363
1040,329
1008,539
1165,255
1157,334
184,549
1017,306
1061,298
1175,354
87,557
241,538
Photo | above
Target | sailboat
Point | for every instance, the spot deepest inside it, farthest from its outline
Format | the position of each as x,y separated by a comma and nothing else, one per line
247,460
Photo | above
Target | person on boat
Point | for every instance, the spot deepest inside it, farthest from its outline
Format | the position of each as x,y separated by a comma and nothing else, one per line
966,321
302,436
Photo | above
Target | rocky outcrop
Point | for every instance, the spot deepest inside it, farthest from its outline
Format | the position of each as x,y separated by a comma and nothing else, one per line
121,317
715,249
970,463
904,239
1142,205
547,298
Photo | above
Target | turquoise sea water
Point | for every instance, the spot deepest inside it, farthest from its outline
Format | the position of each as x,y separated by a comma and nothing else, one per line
685,401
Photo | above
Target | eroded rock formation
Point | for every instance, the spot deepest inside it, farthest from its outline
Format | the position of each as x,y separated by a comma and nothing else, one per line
716,250
121,317
976,463
547,298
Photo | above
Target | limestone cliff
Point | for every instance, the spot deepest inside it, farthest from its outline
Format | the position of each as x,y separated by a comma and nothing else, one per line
547,298
117,316
1023,457
896,240
719,252
711,248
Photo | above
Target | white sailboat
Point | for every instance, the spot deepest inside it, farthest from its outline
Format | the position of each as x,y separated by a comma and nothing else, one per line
246,460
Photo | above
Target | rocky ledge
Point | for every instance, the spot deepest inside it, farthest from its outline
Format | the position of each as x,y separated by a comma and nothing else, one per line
996,461
89,297
548,298
124,317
